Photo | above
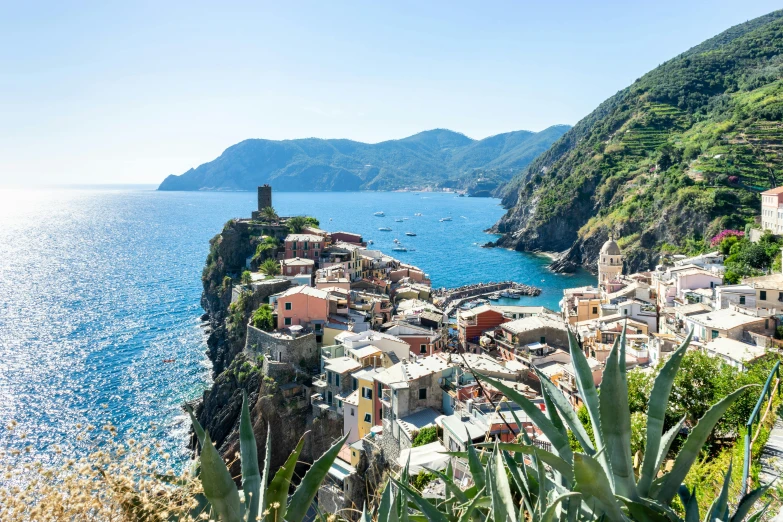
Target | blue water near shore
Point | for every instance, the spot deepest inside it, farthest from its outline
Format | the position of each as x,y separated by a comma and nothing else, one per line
99,286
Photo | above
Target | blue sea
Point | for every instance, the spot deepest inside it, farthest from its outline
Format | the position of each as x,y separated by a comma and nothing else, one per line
99,285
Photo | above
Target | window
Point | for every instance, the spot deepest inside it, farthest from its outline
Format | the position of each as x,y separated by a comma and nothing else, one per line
354,384
315,254
352,412
305,247
287,321
423,348
339,403
595,310
288,306
780,296
317,327
625,311
763,295
543,339
422,393
715,334
304,254
329,398
742,299
329,377
366,393
379,389
367,418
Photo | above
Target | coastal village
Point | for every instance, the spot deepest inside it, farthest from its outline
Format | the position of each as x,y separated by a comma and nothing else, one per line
361,340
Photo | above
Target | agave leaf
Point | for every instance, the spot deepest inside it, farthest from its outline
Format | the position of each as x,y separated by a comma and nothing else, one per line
616,421
647,512
196,425
251,476
307,489
277,493
720,507
592,480
542,490
519,476
549,514
589,394
553,395
430,511
656,415
474,463
265,476
559,442
666,443
549,459
755,517
690,450
365,517
466,515
387,512
219,487
502,501
747,502
451,487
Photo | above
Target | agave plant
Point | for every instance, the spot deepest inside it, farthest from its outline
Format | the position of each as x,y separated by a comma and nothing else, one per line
519,481
263,500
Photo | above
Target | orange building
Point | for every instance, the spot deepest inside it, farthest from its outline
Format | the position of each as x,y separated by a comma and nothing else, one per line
303,305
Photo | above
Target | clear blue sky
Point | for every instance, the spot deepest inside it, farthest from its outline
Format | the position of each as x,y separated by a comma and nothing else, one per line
129,92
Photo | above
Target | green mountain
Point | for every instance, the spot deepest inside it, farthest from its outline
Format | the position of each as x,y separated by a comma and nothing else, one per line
433,159
665,163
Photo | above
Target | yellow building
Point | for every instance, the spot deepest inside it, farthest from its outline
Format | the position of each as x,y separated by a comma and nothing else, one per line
366,388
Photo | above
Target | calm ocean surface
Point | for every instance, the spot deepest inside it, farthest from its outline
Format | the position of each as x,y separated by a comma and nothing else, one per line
99,286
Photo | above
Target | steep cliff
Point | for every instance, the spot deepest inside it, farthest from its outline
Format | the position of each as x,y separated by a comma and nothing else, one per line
665,163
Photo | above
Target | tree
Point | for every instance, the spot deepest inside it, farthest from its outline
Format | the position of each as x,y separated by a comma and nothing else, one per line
267,245
262,318
297,223
247,278
270,267
269,214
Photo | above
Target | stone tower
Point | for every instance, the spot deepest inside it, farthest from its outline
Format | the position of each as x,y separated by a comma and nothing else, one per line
264,197
610,262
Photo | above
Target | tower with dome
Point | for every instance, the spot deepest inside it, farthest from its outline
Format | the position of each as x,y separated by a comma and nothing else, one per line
610,262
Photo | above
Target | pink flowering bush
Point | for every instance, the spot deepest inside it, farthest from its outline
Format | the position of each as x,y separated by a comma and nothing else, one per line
723,234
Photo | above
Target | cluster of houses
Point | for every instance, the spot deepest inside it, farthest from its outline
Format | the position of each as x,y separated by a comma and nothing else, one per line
370,352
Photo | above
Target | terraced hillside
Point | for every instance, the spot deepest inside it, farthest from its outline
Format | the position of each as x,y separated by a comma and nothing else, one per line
666,162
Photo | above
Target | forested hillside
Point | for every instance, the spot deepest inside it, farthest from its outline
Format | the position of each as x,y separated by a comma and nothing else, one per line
667,162
431,159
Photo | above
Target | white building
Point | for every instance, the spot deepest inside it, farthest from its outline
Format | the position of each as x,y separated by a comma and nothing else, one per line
610,262
772,210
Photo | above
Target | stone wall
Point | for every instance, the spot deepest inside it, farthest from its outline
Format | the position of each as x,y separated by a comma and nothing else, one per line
300,352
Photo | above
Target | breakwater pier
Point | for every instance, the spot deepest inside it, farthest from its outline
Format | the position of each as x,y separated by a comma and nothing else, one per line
448,299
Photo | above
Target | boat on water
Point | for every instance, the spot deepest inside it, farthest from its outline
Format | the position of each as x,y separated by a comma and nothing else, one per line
405,219
398,220
411,234
396,240
418,214
399,248
379,214
385,229
494,297
510,294
370,242
445,219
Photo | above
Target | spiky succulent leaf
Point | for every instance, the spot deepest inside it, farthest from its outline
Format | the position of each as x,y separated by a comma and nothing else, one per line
559,442
468,513
551,512
502,500
219,487
200,434
429,510
690,450
656,415
277,493
307,489
747,502
592,480
474,463
387,512
251,476
554,397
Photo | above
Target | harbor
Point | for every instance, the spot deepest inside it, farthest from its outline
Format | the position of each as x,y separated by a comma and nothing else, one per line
449,299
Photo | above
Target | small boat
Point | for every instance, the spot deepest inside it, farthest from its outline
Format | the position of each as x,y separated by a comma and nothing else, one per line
370,242
418,214
405,219
396,240
399,248
398,220
410,234
385,229
494,297
169,360
445,219
379,214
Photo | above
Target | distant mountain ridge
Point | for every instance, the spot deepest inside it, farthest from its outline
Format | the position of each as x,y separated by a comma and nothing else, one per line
429,159
666,163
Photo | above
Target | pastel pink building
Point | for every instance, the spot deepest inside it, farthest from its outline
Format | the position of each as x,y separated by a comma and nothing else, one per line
296,266
303,305
306,246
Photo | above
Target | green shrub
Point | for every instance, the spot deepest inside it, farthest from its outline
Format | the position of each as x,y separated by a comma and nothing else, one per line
425,436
